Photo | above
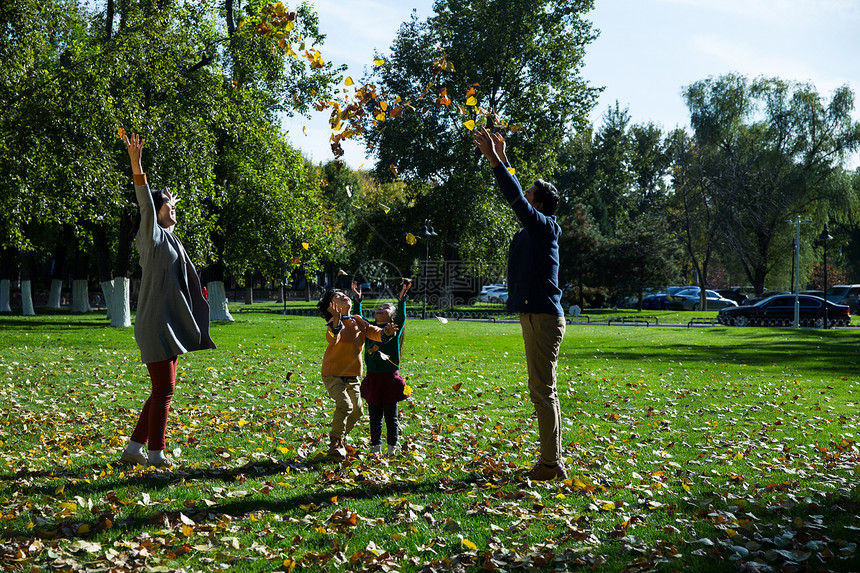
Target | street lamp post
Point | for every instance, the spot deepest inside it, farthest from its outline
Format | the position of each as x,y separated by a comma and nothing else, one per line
796,272
824,237
426,233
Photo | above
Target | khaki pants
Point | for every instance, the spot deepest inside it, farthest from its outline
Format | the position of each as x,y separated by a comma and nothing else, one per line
346,392
542,334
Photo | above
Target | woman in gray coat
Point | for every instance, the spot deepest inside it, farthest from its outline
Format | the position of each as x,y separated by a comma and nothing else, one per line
172,314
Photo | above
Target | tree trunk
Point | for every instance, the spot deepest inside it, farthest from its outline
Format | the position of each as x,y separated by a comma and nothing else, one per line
121,314
58,271
249,288
100,241
4,295
54,294
120,310
218,302
6,277
80,286
26,287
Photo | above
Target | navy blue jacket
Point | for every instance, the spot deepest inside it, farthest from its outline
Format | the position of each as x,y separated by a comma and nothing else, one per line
533,256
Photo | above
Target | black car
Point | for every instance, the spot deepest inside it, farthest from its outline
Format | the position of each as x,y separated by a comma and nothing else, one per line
779,311
734,295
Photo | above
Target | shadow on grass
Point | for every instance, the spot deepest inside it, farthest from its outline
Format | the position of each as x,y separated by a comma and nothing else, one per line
830,352
718,537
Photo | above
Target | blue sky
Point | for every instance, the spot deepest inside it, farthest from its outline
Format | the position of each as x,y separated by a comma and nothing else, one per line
647,51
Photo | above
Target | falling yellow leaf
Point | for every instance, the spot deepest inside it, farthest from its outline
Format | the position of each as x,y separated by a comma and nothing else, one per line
410,239
378,61
471,101
380,116
121,132
383,105
306,246
407,390
512,171
516,128
470,125
348,81
305,129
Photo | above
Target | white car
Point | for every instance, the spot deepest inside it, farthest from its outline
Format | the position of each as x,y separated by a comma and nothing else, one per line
493,293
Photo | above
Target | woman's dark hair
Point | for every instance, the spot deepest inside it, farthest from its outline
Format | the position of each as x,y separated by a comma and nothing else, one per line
547,195
325,302
157,199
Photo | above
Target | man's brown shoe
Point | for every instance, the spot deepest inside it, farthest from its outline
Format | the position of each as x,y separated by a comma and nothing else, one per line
543,473
336,450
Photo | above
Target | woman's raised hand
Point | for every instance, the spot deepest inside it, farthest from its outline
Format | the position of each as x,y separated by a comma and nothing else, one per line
134,144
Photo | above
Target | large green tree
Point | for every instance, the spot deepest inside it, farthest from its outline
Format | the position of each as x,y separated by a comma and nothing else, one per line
197,83
768,150
522,58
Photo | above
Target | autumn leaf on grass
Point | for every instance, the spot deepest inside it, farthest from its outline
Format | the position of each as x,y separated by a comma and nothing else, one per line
456,386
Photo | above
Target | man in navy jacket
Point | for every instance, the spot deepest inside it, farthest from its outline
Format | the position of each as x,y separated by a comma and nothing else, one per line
533,292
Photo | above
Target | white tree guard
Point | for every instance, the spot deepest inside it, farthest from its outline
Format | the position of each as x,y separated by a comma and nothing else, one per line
121,307
218,302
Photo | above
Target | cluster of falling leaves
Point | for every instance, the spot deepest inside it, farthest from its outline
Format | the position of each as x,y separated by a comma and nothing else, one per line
367,106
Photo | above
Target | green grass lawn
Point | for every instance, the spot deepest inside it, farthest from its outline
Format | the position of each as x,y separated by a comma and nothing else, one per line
701,449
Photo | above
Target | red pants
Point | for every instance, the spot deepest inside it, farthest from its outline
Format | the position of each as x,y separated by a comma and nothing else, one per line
152,424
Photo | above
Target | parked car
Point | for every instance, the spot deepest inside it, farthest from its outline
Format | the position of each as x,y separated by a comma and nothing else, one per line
492,293
657,301
765,295
734,295
845,294
779,311
688,299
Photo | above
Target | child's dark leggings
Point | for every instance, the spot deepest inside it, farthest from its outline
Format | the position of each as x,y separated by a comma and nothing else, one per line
377,412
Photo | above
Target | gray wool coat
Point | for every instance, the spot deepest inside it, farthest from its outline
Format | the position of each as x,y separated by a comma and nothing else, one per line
172,315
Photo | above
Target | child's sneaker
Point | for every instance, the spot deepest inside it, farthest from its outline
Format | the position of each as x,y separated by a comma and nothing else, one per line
135,459
392,450
376,450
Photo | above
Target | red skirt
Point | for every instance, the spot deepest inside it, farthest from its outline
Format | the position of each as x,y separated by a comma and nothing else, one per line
383,387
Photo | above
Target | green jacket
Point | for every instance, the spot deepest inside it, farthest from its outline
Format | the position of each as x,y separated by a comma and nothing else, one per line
373,350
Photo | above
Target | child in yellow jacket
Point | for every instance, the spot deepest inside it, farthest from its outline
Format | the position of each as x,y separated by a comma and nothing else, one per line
342,365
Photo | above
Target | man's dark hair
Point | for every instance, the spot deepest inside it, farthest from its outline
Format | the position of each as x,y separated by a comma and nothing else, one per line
325,302
547,195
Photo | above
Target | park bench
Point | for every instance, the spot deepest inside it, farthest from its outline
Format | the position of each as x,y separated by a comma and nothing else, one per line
646,320
703,322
